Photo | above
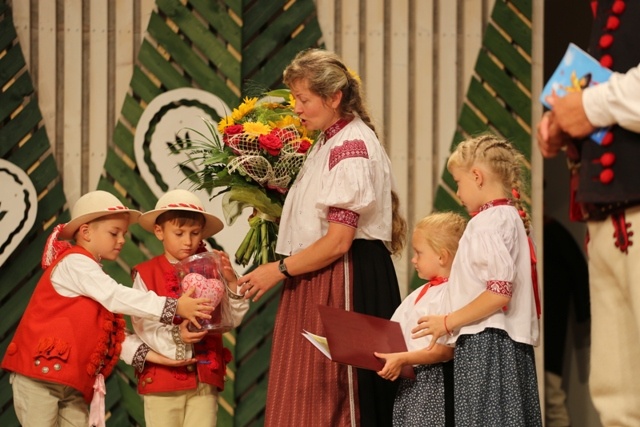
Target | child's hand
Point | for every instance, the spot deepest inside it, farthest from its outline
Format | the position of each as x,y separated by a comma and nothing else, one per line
430,325
189,337
228,272
192,308
392,366
154,357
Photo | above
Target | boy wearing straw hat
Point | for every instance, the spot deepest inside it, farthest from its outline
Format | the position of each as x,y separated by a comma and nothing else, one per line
69,338
182,396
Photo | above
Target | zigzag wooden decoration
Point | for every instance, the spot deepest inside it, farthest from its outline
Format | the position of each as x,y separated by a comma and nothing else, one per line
199,58
499,95
29,178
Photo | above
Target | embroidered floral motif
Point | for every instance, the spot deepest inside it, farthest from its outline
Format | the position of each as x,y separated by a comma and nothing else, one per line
106,355
493,203
343,216
139,357
500,287
169,311
335,128
349,149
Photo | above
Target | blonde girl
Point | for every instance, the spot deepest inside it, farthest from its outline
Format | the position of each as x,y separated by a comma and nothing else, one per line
491,300
429,399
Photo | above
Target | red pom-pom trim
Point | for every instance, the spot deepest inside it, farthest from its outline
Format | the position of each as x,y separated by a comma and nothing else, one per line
608,139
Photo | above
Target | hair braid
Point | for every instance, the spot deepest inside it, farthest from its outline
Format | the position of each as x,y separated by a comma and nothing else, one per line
504,160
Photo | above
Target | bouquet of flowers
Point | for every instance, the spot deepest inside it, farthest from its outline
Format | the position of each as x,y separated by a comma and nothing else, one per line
253,155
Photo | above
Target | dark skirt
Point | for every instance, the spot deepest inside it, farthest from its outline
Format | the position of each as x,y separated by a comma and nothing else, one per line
306,388
427,400
495,381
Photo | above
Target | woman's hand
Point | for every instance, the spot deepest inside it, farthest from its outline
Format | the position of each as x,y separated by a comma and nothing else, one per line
260,280
430,325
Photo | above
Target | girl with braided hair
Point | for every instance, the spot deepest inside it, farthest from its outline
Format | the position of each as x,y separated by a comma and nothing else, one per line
339,227
492,297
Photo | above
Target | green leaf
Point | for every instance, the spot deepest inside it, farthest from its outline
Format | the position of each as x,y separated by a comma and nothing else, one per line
280,93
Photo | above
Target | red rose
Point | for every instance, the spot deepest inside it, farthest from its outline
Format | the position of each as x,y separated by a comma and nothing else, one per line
233,129
271,143
304,146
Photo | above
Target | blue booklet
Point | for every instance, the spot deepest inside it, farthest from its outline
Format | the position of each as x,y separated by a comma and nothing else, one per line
577,70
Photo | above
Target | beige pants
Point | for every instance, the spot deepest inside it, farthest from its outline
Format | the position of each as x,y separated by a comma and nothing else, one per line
188,408
41,404
614,278
556,413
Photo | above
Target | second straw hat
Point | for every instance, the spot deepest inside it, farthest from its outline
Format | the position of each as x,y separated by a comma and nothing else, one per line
181,200
92,206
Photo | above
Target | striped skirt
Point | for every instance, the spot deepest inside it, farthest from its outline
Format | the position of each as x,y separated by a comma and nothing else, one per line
307,389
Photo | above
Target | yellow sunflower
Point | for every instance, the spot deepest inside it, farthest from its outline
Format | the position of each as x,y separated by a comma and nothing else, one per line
224,122
256,128
243,109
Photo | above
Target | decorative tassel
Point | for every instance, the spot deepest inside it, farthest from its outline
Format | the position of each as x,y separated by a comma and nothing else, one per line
622,233
54,247
97,408
534,276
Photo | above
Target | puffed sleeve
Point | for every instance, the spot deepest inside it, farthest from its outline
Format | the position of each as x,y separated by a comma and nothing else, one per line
349,181
492,258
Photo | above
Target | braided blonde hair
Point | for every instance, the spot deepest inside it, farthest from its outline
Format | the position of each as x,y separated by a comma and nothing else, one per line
502,159
326,74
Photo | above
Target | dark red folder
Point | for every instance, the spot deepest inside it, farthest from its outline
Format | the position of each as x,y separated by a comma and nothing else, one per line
353,337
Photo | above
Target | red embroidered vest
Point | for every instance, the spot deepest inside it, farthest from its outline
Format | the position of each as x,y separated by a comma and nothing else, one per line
159,276
65,340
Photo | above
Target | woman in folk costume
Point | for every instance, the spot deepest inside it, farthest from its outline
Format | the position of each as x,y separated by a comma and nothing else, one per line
339,227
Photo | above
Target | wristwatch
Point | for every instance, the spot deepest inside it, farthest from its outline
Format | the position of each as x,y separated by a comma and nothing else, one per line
283,269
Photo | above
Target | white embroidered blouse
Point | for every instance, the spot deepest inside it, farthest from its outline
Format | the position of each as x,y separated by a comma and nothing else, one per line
346,178
410,310
494,255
